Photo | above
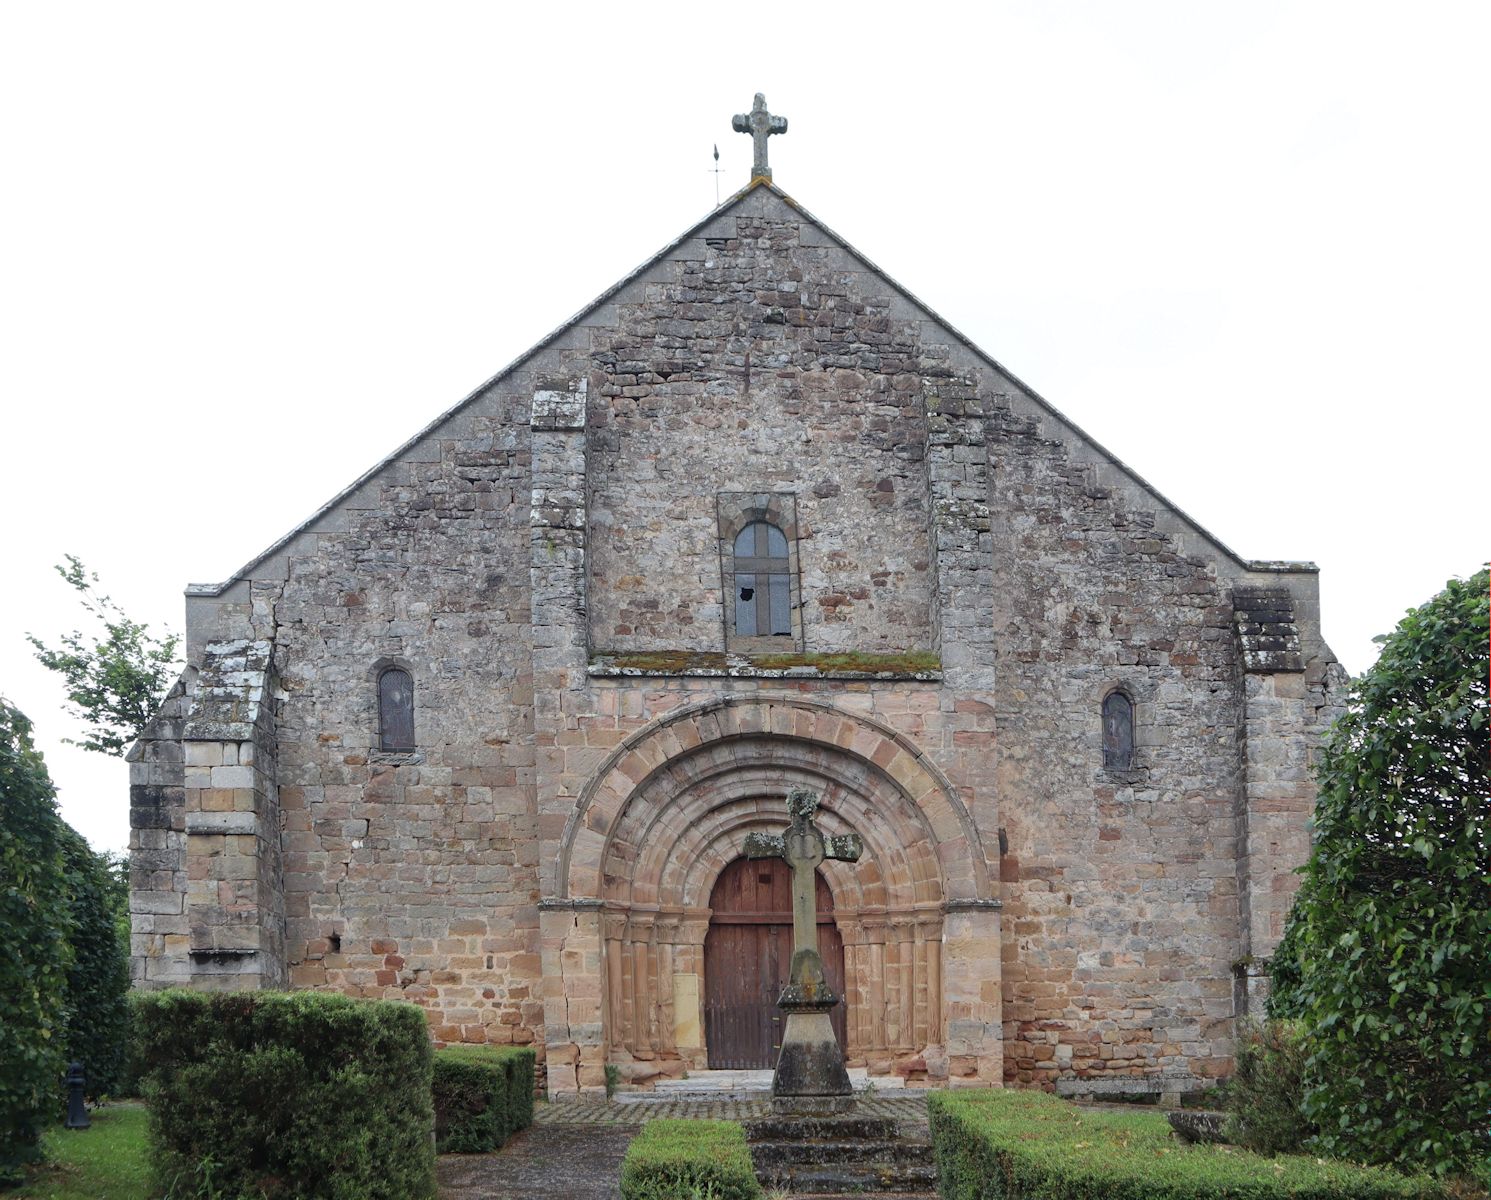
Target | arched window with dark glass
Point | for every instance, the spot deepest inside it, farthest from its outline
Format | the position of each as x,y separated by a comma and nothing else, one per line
1118,732
395,709
763,593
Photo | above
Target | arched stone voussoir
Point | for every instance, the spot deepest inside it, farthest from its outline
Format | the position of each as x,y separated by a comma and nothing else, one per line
880,756
687,877
691,790
728,845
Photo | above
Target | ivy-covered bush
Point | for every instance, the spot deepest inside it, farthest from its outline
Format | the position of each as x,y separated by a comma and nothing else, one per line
683,1160
95,1012
276,1095
34,928
1266,1094
1386,958
1006,1143
483,1095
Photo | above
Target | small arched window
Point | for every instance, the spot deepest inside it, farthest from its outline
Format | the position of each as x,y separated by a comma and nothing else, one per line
763,593
1118,732
395,709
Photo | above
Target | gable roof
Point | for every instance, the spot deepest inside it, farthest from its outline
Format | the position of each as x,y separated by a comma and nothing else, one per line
1049,411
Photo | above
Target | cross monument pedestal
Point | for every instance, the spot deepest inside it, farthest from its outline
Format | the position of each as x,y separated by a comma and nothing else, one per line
810,1077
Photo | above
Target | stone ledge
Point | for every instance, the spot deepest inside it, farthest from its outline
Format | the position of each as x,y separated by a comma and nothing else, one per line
570,904
222,822
917,665
1130,1085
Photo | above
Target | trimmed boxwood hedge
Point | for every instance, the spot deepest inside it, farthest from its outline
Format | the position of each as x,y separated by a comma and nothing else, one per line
287,1094
483,1095
682,1160
1019,1145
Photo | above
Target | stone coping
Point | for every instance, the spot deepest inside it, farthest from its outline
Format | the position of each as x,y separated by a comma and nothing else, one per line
915,666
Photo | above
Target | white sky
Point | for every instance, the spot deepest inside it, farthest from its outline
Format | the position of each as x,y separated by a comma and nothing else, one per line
246,250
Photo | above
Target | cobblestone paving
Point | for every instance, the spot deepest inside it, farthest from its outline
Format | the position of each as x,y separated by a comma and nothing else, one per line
573,1150
545,1162
910,1108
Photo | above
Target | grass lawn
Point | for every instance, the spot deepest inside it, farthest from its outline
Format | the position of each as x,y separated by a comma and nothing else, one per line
106,1162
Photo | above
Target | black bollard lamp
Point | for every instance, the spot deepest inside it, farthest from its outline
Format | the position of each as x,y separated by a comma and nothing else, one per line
77,1111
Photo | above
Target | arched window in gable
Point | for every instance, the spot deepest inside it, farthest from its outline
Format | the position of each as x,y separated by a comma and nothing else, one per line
1118,731
395,710
762,580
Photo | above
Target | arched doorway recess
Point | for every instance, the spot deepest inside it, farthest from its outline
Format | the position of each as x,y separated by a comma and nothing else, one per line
669,810
747,956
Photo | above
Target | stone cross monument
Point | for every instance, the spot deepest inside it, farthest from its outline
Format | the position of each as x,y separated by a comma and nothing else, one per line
760,124
810,1072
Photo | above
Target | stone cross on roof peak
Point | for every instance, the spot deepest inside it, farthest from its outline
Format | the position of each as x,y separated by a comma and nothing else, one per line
760,124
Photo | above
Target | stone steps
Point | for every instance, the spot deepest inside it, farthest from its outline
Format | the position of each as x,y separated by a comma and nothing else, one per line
793,1153
861,1196
743,1085
834,1180
829,1157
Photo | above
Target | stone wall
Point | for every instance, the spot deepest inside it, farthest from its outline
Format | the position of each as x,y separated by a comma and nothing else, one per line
413,875
207,886
760,368
972,577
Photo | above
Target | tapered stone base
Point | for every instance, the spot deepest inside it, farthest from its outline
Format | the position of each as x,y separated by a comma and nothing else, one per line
812,1106
811,1063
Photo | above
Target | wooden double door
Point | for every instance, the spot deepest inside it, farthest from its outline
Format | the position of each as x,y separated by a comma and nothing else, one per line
747,957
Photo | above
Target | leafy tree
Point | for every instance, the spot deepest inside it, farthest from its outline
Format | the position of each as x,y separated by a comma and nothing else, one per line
1386,958
116,866
116,681
34,929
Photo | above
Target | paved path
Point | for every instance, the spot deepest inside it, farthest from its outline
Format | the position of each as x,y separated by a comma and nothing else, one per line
544,1162
574,1148
905,1106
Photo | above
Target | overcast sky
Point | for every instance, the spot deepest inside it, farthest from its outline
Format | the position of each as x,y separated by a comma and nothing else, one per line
247,250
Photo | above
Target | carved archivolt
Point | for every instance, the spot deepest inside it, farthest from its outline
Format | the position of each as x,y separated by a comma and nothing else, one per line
673,807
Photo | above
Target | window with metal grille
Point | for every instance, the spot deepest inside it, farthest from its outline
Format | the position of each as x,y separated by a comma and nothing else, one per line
395,709
1118,732
763,591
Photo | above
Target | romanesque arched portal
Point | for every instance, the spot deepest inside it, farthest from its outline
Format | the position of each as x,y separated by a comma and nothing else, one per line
666,814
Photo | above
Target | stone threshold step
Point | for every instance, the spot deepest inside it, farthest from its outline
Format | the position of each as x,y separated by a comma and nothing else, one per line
838,1153
760,1081
822,1180
861,1196
704,1096
795,1129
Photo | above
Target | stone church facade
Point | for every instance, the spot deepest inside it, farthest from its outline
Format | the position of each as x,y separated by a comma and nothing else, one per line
487,733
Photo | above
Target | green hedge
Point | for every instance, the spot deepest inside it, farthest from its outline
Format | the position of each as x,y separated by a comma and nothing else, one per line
275,1095
34,922
683,1160
95,1011
1020,1145
1266,1094
483,1095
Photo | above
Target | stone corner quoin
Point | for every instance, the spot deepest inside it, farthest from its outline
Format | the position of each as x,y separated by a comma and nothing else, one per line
563,572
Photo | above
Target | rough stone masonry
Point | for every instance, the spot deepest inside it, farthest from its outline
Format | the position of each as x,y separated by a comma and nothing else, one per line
961,580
